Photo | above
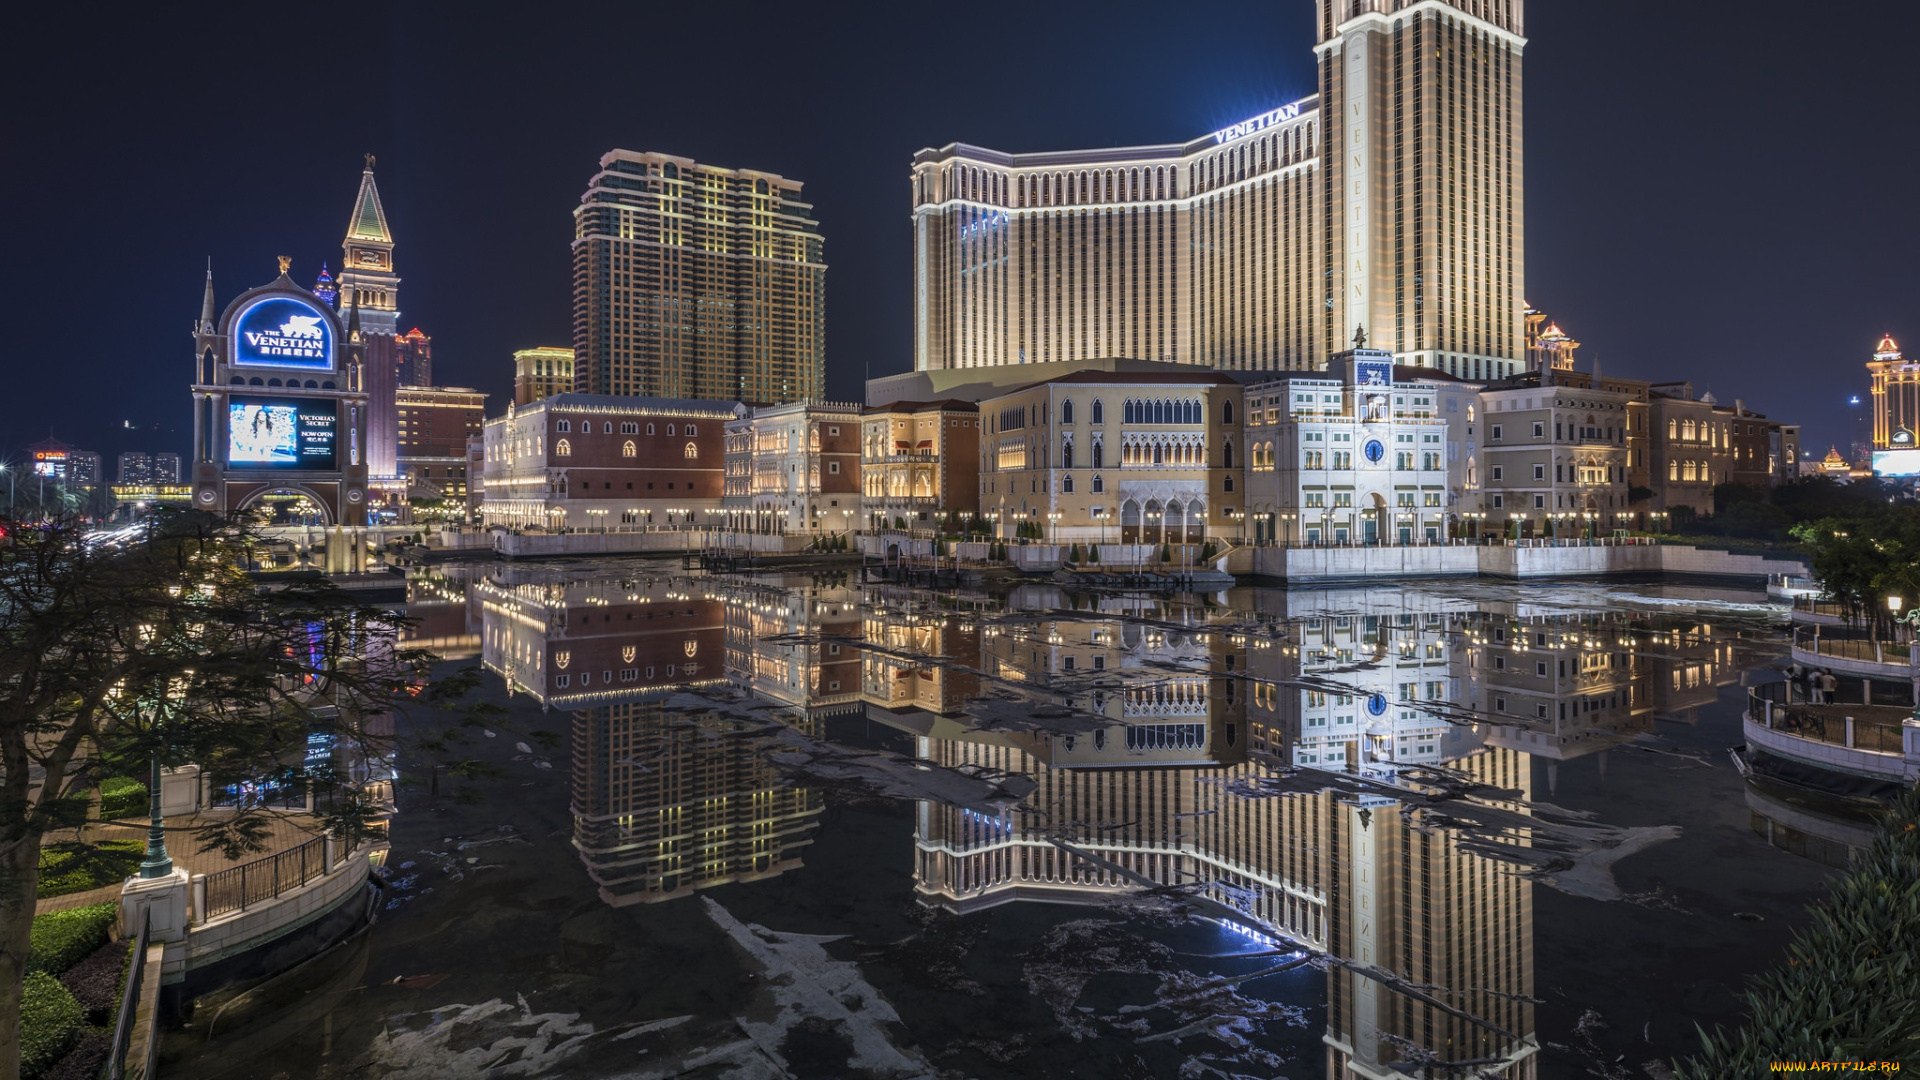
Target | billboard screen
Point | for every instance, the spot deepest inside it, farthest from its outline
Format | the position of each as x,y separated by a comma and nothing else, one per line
282,433
283,331
1896,463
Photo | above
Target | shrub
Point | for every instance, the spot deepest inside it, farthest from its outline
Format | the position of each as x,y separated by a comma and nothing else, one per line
122,796
96,981
50,1022
1846,991
1073,554
62,939
72,868
1166,553
1093,553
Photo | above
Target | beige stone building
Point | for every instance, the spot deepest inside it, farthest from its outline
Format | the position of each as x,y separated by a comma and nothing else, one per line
1100,456
919,463
1555,456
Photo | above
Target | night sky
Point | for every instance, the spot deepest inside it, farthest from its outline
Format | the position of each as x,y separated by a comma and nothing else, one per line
1716,192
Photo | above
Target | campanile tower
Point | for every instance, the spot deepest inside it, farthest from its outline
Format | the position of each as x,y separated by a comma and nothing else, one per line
367,279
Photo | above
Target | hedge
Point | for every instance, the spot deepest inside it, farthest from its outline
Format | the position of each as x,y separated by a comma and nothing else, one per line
62,939
50,1022
122,796
72,868
1850,987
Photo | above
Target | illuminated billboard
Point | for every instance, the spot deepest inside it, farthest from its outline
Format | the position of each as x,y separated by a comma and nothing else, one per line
50,462
1896,463
282,433
283,331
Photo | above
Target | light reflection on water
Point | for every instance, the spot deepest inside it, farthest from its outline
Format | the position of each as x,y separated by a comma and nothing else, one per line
1113,805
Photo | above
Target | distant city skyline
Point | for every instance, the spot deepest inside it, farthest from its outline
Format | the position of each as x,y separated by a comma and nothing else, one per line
1753,273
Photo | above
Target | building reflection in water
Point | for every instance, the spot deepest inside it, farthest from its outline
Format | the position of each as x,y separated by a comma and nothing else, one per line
668,797
1180,709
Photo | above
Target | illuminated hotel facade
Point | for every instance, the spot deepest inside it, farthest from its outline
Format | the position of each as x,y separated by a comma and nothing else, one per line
1253,248
695,281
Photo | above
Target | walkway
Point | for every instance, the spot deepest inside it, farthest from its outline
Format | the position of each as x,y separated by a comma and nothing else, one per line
283,831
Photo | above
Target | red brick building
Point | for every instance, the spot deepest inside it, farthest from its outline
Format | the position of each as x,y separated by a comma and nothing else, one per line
591,461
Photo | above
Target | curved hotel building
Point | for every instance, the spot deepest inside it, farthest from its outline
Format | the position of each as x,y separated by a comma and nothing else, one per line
1388,206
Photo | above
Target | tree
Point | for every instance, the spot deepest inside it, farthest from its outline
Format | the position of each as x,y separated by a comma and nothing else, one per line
160,646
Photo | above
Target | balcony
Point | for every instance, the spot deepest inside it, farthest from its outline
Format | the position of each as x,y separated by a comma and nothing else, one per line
1877,741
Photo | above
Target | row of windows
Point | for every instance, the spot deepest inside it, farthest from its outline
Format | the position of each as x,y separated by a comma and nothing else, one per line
564,448
628,427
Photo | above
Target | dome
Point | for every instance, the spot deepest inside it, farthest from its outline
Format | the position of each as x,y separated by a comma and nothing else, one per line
1887,349
1708,399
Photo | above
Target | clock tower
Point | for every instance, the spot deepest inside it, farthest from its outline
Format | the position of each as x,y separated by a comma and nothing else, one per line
367,280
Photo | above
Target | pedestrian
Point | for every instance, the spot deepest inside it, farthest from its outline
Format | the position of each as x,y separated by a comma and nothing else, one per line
1828,684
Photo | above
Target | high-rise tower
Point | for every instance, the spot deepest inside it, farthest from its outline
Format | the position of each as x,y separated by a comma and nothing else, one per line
367,280
694,281
1422,186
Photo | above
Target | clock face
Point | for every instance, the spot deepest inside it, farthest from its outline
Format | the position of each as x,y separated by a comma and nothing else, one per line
1374,450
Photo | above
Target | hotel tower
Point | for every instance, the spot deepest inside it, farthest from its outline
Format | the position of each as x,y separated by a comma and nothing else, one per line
1390,204
692,281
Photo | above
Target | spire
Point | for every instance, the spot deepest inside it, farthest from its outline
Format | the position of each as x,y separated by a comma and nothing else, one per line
206,302
353,321
369,220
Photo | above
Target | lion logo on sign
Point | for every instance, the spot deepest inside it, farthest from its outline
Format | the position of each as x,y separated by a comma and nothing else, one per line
301,326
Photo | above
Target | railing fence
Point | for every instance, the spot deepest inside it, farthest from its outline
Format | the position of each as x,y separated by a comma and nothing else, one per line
264,879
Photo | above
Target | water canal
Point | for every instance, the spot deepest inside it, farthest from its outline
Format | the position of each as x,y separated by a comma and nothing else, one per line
803,826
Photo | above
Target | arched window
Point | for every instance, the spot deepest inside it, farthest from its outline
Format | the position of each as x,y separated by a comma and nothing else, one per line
563,425
1066,411
627,449
693,451
562,448
1226,412
1673,428
693,429
1097,452
649,429
1066,453
1099,412
1066,484
1226,455
1099,485
607,430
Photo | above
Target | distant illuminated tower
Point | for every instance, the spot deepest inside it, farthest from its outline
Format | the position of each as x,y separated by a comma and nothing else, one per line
1896,397
368,281
415,358
324,289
